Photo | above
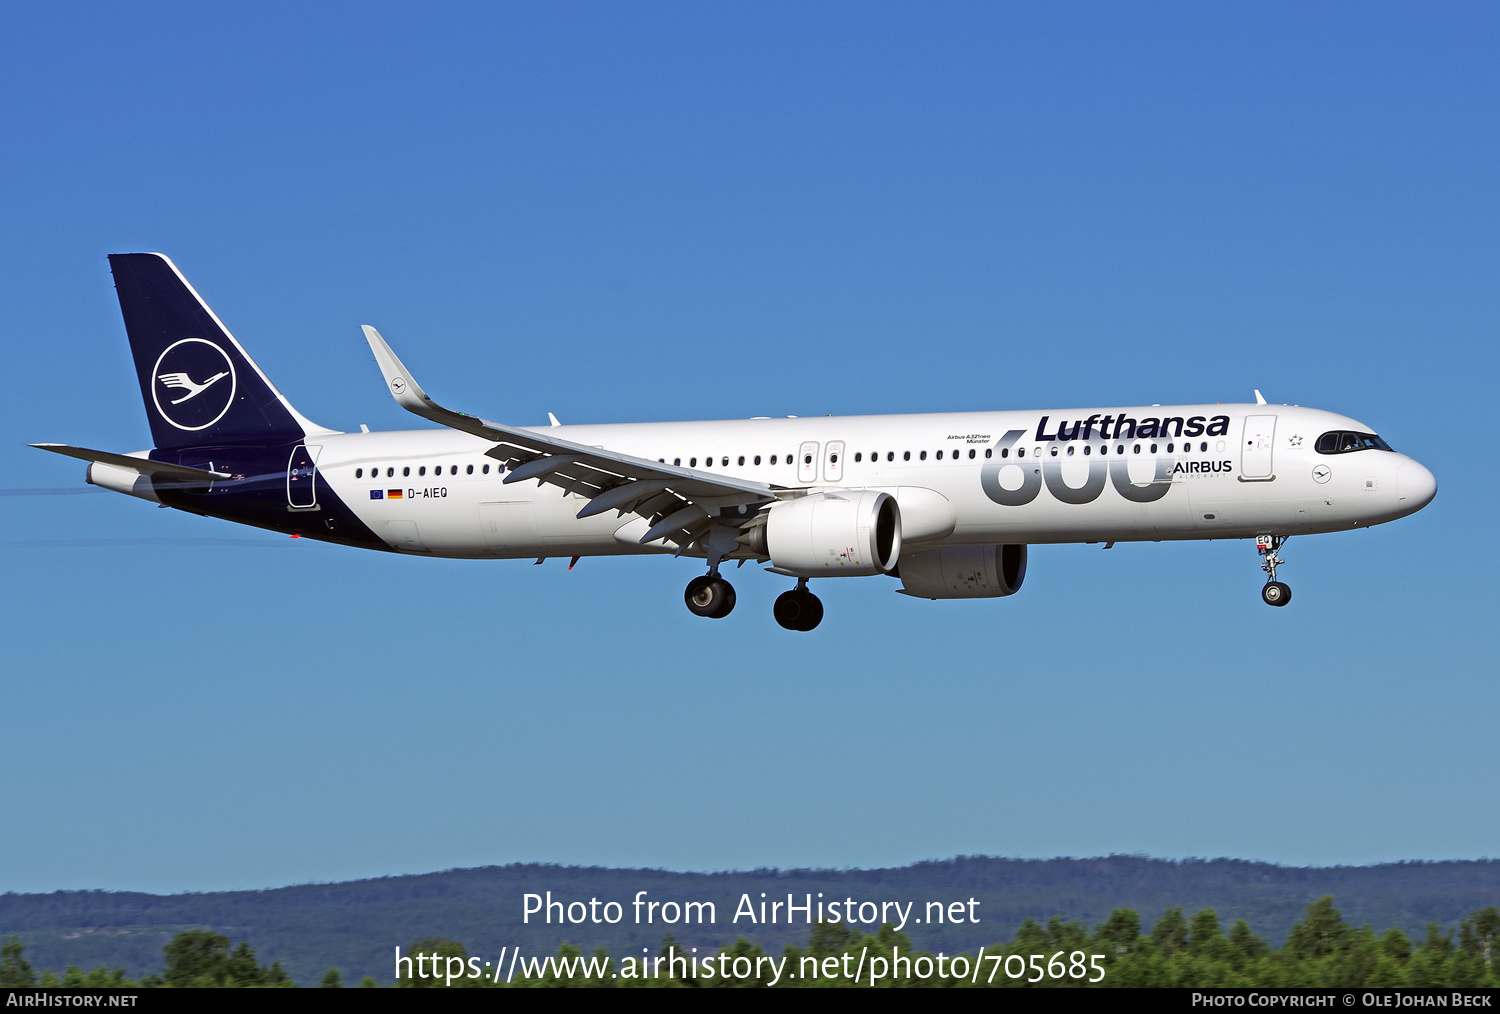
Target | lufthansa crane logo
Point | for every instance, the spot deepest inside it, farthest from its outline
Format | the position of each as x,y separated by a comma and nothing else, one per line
193,384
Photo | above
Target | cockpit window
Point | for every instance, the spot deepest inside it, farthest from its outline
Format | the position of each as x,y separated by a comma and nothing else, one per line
1344,441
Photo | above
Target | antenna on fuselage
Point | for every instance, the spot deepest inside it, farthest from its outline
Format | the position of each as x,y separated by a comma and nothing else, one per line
1260,399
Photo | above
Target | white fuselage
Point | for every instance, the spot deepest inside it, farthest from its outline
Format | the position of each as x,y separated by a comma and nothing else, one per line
1257,473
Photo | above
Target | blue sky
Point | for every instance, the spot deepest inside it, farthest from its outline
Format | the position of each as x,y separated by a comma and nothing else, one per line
653,211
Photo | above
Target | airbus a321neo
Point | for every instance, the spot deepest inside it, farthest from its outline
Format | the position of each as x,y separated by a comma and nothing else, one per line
944,503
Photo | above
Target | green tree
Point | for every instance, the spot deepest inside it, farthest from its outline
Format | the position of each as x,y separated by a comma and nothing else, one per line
199,958
1246,944
429,964
368,982
1205,931
1395,945
828,938
1120,934
1437,942
15,970
1169,935
1477,935
332,980
1322,933
196,958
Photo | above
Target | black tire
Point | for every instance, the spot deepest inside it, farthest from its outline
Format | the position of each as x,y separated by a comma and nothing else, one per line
709,596
798,609
726,604
1275,593
814,611
790,609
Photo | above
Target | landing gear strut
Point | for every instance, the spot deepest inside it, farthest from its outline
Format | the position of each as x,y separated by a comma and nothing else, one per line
798,609
709,595
1275,593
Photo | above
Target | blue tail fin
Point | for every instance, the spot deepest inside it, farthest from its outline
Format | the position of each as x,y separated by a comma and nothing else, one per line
198,384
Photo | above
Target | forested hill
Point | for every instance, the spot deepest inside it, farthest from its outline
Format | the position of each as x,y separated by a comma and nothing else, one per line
355,926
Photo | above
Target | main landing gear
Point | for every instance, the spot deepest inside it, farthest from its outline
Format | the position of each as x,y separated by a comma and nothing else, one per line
798,609
1274,593
710,595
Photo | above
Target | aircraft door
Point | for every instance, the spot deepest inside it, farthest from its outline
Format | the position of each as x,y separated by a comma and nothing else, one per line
807,462
302,478
1255,447
833,461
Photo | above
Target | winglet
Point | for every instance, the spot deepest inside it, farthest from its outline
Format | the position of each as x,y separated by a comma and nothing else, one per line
1260,399
407,392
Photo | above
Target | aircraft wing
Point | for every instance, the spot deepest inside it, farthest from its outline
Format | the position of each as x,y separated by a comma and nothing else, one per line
674,498
145,466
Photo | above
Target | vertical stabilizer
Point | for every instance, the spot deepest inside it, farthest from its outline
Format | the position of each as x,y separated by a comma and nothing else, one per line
198,384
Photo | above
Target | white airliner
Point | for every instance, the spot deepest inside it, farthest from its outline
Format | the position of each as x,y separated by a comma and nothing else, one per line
943,503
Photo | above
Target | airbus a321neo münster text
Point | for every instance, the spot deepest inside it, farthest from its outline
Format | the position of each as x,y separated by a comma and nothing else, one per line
944,503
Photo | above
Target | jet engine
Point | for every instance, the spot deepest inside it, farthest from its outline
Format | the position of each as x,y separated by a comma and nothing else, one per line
963,572
831,533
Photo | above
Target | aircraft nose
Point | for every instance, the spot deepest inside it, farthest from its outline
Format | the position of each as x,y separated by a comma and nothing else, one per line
1415,485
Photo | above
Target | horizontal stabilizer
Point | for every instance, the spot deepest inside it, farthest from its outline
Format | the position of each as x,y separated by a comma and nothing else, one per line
145,466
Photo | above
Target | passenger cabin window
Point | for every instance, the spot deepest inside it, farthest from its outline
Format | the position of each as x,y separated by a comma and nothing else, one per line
1344,441
486,469
359,473
406,470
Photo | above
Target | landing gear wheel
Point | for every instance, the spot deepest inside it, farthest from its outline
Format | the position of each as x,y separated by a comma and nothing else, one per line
710,596
1275,593
798,609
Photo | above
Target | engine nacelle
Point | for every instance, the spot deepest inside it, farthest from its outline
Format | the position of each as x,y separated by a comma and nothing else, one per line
963,572
834,533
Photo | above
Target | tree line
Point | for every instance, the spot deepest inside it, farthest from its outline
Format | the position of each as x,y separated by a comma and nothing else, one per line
1322,950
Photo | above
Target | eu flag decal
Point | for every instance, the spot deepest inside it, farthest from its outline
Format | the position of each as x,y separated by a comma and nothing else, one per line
377,494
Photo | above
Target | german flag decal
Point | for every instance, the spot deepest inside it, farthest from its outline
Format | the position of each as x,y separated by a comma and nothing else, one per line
393,494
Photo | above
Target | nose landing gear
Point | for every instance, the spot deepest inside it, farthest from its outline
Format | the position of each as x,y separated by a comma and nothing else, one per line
1274,593
798,609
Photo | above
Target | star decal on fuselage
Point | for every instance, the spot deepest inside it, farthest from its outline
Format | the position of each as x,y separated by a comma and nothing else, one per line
1294,440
